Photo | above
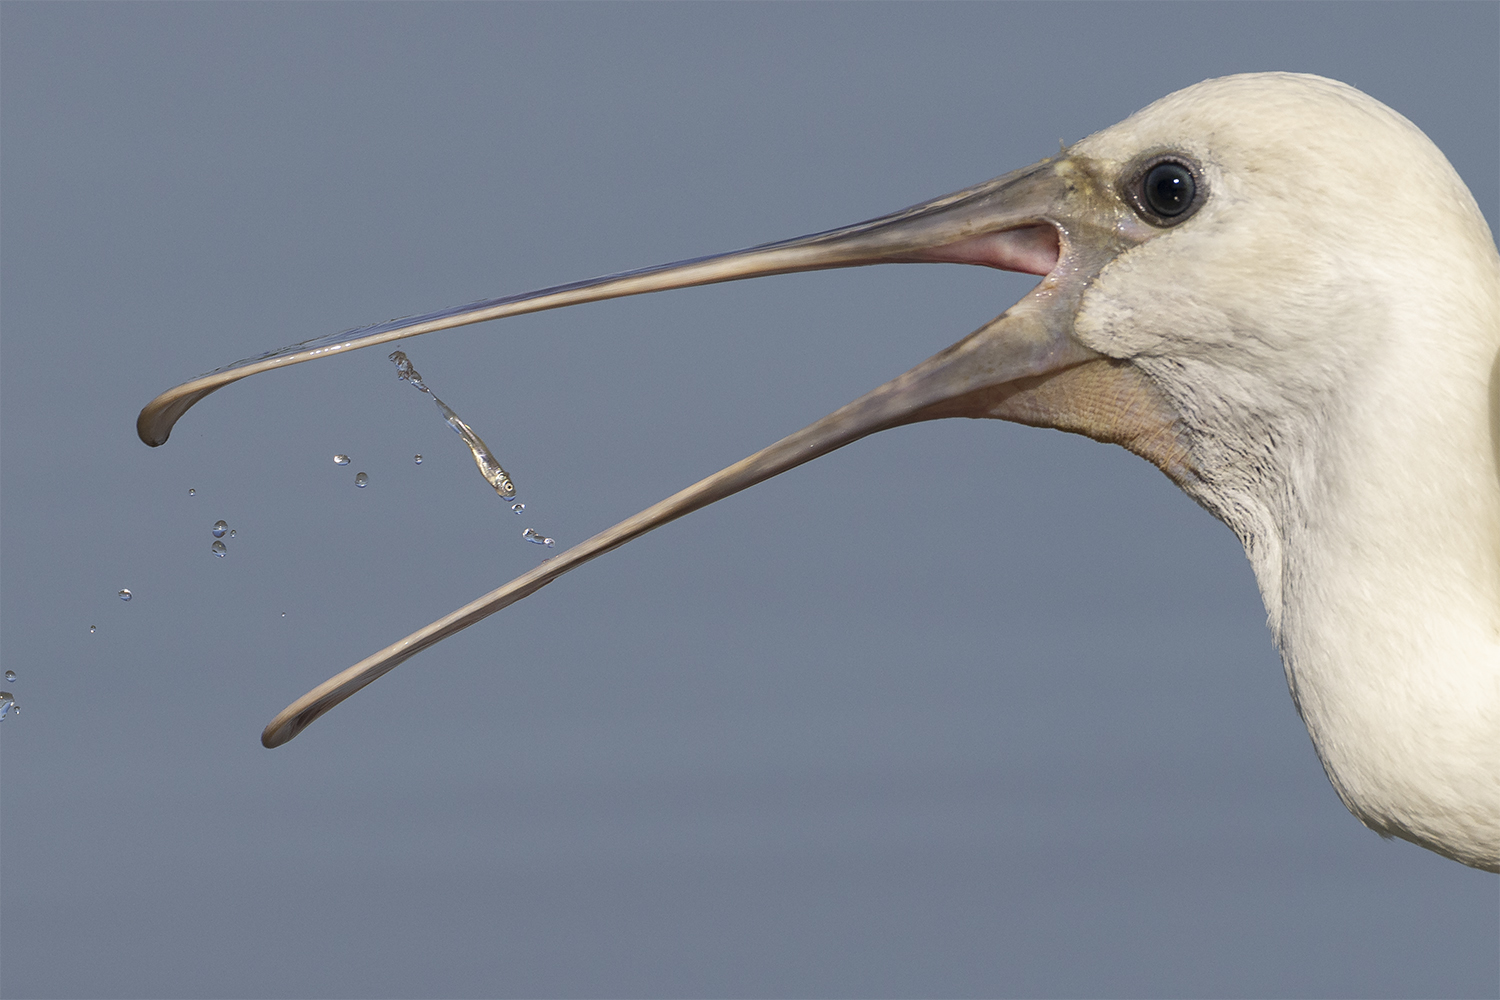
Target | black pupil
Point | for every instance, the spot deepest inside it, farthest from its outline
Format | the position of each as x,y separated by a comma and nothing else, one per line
1169,189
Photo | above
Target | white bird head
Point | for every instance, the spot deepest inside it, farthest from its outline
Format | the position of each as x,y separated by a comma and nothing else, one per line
1272,287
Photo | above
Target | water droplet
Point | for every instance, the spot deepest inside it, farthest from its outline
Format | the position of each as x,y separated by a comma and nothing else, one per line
192,493
91,629
219,528
361,480
8,704
406,372
517,508
418,459
341,460
126,595
283,614
231,532
219,549
532,535
10,675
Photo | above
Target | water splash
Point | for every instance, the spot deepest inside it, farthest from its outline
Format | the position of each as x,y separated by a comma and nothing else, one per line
406,371
126,595
361,480
489,467
219,528
532,535
341,460
219,548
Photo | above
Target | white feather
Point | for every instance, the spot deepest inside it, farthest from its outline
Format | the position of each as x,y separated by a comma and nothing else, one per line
1328,327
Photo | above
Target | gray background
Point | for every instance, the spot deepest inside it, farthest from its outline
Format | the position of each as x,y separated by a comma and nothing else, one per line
965,708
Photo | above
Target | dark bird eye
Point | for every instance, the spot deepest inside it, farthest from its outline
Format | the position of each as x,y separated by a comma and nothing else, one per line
1169,189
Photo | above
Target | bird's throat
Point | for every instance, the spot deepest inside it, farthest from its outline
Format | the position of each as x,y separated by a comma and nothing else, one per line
1107,400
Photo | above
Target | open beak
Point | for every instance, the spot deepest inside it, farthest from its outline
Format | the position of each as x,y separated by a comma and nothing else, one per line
1059,219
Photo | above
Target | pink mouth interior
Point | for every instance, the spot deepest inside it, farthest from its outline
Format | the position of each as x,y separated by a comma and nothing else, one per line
1029,250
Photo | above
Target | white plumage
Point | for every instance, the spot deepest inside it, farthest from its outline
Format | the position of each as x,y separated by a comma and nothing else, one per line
1328,330
1307,340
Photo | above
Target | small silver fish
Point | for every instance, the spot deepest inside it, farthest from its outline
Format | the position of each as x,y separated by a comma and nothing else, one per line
489,467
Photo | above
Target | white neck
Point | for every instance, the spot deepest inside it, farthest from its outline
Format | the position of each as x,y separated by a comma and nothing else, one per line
1376,545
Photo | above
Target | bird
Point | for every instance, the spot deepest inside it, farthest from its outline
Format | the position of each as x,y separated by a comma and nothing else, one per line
1272,287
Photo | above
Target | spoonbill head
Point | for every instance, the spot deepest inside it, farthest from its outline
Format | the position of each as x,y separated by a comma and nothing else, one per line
1279,292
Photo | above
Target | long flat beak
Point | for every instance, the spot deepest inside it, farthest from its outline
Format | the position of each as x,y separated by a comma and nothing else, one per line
1044,220
965,379
1002,223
